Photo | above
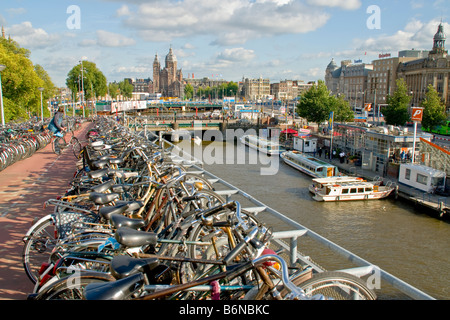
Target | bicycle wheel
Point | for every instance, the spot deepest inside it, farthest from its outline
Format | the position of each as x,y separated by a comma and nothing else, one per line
72,287
338,286
58,145
76,147
38,248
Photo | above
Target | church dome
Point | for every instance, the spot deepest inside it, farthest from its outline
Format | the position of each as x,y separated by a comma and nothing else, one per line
332,65
171,56
440,35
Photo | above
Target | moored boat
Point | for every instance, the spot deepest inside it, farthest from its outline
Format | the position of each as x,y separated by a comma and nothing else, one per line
351,190
309,165
261,144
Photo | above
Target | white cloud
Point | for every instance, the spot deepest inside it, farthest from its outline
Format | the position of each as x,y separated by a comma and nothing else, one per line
123,11
236,55
31,38
415,34
343,4
228,22
108,39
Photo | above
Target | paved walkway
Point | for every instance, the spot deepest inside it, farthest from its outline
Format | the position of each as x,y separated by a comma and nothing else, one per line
24,187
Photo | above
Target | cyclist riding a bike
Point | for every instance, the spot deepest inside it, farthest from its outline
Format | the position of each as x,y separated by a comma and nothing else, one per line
55,124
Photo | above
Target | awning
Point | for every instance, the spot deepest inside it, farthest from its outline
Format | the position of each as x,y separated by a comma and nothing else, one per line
289,131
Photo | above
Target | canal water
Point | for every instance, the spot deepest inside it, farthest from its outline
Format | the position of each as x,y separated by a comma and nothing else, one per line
391,234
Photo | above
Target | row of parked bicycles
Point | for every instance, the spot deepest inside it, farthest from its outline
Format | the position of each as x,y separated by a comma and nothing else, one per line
135,225
20,141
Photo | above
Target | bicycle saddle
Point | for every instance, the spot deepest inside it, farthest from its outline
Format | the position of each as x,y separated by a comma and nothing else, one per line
135,238
107,212
116,290
103,187
119,221
98,173
125,266
100,163
103,198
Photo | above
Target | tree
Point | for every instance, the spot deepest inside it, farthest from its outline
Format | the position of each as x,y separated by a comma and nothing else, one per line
188,91
396,112
313,105
113,90
434,109
316,104
342,110
126,88
94,82
20,82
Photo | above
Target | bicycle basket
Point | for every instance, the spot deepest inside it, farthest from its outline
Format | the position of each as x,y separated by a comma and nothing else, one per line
65,221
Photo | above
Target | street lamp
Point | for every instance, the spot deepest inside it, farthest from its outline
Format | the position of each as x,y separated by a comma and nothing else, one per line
42,108
2,67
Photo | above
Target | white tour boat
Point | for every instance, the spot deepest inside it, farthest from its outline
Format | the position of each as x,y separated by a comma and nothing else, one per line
261,144
348,188
309,165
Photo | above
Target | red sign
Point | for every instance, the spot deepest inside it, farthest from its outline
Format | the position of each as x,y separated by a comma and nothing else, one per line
417,114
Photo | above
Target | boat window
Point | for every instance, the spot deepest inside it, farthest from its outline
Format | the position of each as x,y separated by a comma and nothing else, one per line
344,191
437,181
422,179
360,190
368,189
408,174
353,190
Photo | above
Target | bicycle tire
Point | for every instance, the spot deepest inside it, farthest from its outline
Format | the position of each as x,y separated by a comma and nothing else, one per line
337,286
72,288
76,147
58,145
38,247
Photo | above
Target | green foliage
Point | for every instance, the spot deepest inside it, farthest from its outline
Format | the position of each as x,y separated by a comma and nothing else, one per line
434,109
113,90
20,82
229,89
316,104
396,112
126,88
94,82
188,91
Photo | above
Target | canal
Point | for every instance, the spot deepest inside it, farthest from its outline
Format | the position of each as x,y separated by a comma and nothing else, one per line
391,234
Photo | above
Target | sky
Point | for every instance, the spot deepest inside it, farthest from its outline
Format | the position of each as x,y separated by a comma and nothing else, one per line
230,40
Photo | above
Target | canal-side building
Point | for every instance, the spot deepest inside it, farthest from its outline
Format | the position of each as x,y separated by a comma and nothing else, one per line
169,80
377,146
349,80
433,69
372,83
256,89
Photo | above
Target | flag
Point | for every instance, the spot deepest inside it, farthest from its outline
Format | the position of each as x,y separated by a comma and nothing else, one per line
330,121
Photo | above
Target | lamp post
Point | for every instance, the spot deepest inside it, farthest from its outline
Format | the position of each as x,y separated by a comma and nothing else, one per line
2,67
42,108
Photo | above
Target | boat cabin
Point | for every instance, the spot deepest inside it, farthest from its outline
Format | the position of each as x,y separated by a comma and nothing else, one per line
305,144
421,177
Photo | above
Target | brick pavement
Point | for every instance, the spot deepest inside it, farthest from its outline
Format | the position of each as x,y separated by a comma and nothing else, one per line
24,187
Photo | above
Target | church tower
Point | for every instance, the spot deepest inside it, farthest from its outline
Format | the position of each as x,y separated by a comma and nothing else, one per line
439,41
171,66
156,75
